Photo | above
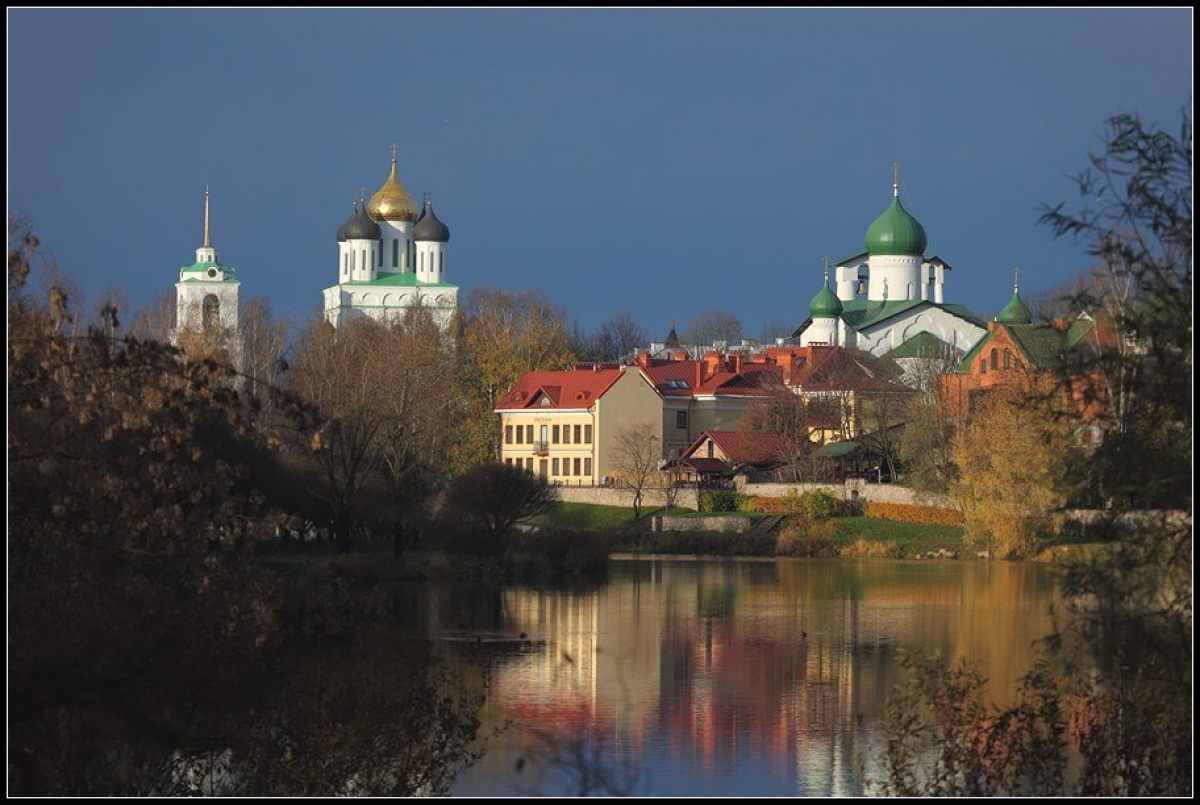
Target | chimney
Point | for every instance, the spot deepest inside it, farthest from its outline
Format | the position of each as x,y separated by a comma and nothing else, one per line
712,362
643,359
699,367
679,355
1059,323
737,363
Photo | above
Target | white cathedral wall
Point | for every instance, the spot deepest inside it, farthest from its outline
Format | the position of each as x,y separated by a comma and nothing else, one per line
395,231
902,273
888,335
189,301
382,303
821,331
847,281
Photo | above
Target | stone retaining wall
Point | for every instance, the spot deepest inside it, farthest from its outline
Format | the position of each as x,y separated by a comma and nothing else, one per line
613,496
729,524
883,493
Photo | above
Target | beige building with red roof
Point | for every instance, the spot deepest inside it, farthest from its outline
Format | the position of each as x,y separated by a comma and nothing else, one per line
563,425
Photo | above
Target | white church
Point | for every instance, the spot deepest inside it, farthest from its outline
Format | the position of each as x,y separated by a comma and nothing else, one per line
390,258
206,296
890,298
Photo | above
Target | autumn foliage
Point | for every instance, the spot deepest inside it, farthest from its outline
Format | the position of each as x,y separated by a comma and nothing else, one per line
1014,460
908,513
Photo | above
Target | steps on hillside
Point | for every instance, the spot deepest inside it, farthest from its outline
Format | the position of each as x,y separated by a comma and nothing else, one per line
767,524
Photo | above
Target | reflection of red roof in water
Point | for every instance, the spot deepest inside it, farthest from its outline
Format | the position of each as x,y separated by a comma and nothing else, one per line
557,715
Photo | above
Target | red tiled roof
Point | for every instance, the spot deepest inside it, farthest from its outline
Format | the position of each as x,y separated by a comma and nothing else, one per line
745,446
573,388
678,379
660,372
706,465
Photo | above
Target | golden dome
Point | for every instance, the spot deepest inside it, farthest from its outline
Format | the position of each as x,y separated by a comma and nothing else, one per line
392,202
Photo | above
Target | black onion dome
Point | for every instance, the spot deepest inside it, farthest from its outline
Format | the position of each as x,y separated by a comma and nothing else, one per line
430,227
359,226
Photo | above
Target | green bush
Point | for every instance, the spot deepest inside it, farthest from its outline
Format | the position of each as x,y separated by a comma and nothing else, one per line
721,500
817,504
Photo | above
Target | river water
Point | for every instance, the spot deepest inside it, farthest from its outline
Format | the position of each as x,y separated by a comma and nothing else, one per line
722,678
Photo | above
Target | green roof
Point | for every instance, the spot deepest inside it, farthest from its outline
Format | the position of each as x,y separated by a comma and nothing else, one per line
964,312
1040,344
1078,331
407,280
922,345
854,258
861,313
896,232
838,449
825,304
1015,312
201,267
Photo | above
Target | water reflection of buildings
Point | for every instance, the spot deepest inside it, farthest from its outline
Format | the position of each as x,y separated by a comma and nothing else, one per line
786,663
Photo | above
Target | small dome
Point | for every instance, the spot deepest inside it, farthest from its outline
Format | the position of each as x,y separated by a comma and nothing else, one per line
392,202
359,226
1015,312
429,226
896,232
825,305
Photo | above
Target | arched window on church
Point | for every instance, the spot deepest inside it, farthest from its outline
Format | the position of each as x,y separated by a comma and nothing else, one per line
211,312
995,358
395,253
1007,359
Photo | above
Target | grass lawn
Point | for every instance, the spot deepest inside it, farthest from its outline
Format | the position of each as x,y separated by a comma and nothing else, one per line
595,517
910,538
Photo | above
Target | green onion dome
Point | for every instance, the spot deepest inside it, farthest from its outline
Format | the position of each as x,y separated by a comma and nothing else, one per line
896,232
1015,312
825,305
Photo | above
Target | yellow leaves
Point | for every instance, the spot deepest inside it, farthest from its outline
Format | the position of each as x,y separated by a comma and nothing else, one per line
1012,459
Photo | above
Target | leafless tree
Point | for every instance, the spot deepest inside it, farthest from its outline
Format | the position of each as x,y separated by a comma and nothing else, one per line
495,497
335,370
635,457
263,342
713,325
156,320
618,337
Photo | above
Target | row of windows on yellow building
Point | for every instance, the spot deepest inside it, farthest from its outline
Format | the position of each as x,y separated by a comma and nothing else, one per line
548,434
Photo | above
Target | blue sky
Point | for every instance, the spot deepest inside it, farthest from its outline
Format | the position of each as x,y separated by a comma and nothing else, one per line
658,162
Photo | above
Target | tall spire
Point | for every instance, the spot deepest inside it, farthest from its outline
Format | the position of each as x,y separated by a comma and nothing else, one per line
826,274
1016,278
896,180
207,223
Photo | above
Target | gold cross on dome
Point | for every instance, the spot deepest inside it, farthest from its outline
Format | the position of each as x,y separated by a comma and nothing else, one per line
896,178
827,268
